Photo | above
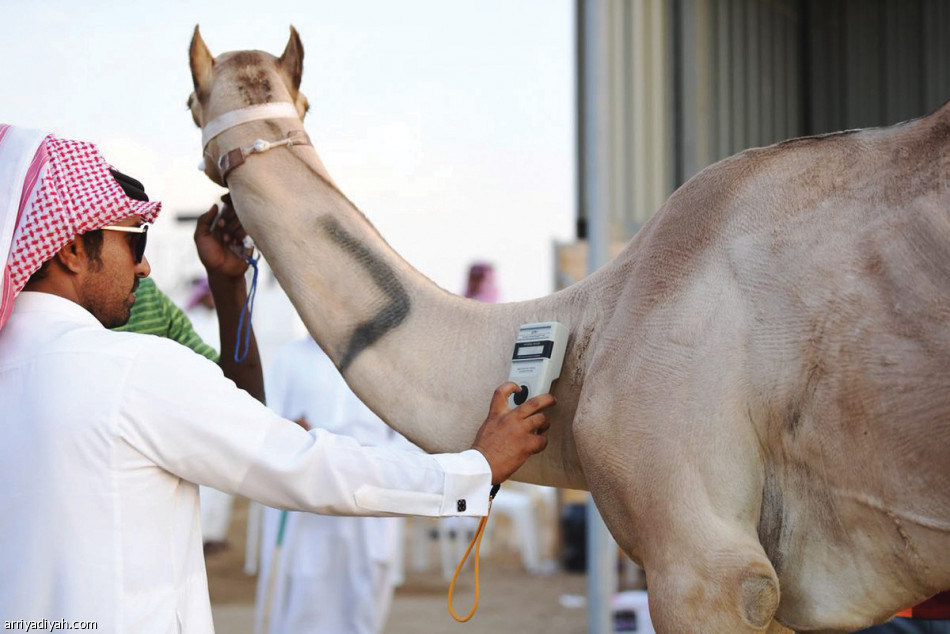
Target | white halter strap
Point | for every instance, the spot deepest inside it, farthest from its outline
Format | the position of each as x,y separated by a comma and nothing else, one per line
277,110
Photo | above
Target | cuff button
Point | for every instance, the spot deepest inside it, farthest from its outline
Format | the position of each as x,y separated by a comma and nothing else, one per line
460,505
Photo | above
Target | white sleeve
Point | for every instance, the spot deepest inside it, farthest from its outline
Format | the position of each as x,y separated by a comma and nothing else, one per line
180,412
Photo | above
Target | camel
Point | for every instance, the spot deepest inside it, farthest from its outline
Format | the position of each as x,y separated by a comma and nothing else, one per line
756,391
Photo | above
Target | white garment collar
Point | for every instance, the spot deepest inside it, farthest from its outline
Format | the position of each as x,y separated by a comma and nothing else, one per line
36,302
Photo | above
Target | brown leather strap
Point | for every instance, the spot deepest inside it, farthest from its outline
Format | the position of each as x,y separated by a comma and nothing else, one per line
229,161
237,157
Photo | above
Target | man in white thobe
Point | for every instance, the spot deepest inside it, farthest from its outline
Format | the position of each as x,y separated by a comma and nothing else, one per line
106,434
333,574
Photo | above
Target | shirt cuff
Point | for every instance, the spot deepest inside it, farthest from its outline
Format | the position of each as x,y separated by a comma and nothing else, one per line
467,483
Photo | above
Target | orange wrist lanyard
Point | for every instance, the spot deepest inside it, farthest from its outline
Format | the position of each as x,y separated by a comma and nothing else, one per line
477,544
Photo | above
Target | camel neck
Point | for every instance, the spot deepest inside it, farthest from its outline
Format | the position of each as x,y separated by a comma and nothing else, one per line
416,354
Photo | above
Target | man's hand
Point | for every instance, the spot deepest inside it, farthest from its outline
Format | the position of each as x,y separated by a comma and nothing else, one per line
508,437
226,270
214,243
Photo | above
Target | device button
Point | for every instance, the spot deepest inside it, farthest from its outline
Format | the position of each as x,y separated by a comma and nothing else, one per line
522,396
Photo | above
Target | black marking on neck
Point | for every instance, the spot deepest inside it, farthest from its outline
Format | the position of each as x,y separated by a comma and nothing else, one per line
391,315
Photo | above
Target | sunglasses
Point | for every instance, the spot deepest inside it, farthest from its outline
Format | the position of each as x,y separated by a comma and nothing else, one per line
136,241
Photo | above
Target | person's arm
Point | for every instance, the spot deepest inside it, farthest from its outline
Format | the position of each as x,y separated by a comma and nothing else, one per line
228,288
180,413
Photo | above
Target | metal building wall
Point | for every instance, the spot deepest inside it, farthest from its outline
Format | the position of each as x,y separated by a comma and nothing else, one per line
635,82
738,78
690,82
749,73
875,62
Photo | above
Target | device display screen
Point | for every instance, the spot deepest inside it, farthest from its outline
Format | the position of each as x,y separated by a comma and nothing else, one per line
533,350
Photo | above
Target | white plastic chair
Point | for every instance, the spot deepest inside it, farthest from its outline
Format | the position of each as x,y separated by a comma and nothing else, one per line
518,504
631,612
522,505
453,535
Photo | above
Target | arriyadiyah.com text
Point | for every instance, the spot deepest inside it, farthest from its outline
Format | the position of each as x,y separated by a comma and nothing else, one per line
46,625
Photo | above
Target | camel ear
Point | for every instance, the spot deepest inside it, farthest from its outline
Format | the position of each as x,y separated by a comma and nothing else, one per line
202,65
291,60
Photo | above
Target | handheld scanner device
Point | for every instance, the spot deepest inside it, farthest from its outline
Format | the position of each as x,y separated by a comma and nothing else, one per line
536,362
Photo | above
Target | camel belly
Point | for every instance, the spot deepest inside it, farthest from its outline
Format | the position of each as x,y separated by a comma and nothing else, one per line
855,512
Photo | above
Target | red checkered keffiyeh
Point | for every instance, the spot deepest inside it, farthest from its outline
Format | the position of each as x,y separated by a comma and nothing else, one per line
52,190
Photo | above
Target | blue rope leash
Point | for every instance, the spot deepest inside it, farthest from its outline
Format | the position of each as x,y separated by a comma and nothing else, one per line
247,309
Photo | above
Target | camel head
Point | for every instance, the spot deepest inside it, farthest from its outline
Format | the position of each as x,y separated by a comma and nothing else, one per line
240,79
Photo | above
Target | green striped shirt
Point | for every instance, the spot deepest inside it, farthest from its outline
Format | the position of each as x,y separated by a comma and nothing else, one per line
153,313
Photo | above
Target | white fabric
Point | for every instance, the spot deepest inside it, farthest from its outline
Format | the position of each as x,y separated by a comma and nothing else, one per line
18,149
103,434
216,506
228,120
334,574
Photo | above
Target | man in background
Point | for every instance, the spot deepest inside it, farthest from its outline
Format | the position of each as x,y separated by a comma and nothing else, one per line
329,574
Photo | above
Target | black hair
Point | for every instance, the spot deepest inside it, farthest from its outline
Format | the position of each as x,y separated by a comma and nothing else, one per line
133,188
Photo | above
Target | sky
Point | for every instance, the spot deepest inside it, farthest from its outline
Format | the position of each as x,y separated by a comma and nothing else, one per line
449,124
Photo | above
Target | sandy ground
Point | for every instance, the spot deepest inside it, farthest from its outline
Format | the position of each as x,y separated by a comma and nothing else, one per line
511,600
